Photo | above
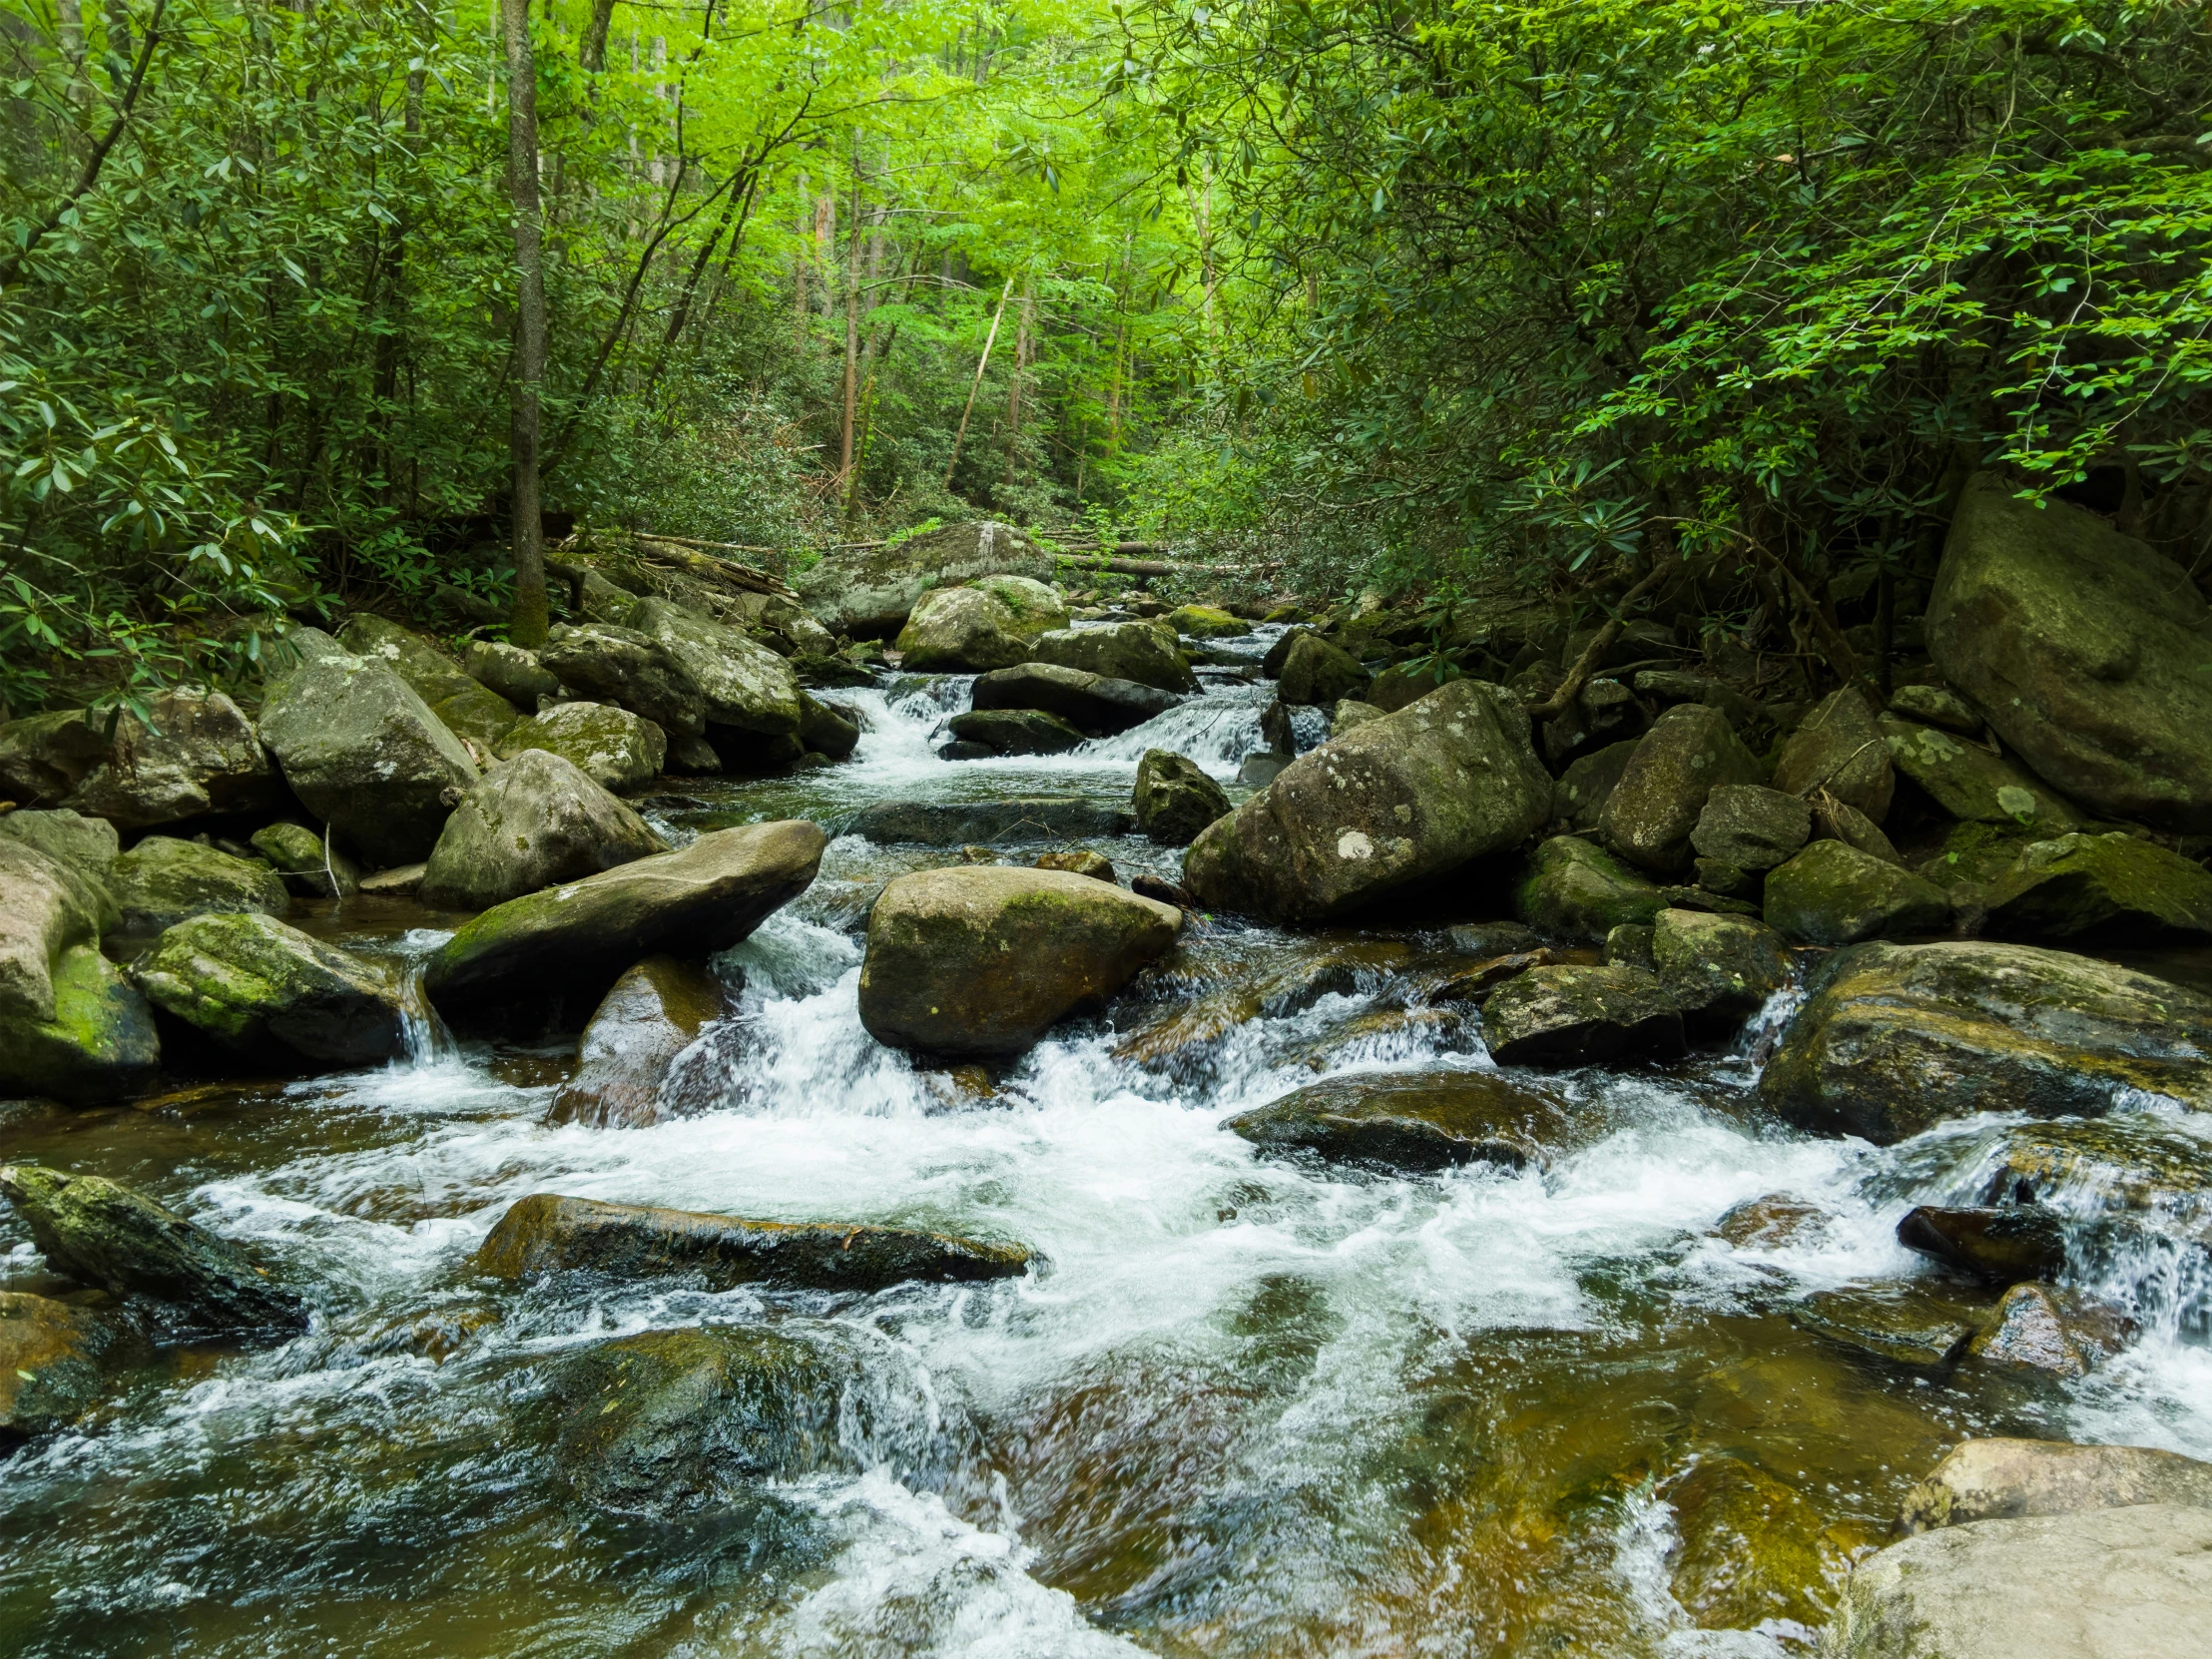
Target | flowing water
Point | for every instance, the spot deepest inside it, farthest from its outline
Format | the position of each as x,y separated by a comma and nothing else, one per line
1243,1407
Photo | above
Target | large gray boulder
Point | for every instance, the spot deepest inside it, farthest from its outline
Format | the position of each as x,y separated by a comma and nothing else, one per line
162,880
2009,1480
983,959
869,592
1838,749
557,952
1174,799
1832,893
744,686
614,748
1119,651
256,986
469,709
2089,654
363,752
1096,704
527,824
1394,803
199,756
601,663
987,625
510,672
1652,811
1720,970
1751,828
97,1047
1419,1120
1895,1040
656,1010
89,846
1965,781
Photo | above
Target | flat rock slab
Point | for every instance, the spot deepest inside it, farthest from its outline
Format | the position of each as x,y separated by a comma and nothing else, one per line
546,1231
2010,1479
1426,1120
990,823
1905,1323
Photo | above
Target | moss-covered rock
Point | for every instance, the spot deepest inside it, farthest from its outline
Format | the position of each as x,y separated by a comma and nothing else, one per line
1964,780
310,866
2113,887
528,823
1315,672
828,729
1349,713
1719,969
196,753
56,1357
1119,651
1207,622
604,663
1042,817
46,907
656,1010
1573,889
1422,1120
1566,1015
1174,799
1936,706
102,1233
1410,682
89,846
1095,704
1898,1039
1751,828
99,1045
869,593
1840,751
1751,1548
614,748
1976,855
988,623
468,708
983,959
163,880
1908,1323
511,672
255,986
742,687
1016,731
1650,813
1832,893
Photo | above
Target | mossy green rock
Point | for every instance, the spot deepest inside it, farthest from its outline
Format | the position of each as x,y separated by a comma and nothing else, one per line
99,1046
1096,704
1315,672
1895,1040
2099,886
987,625
614,748
1174,799
1389,805
1575,890
308,864
1832,893
1652,811
1566,1015
869,593
1016,731
199,753
1975,854
1838,749
1966,781
102,1233
1206,622
983,959
163,880
604,663
1719,969
1421,1120
46,905
511,672
528,823
673,1422
1751,1548
2089,652
56,1357
1751,828
467,707
1119,651
255,985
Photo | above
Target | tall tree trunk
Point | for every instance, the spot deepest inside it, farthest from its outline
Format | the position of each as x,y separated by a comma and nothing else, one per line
981,363
591,51
1022,348
528,626
852,326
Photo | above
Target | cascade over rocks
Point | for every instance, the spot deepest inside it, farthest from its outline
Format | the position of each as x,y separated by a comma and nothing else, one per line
1569,1016
2009,1480
989,822
614,748
200,756
2108,886
1399,801
162,880
1573,889
362,751
1652,811
2089,653
1841,749
1096,704
1419,1120
1719,969
1832,893
983,959
527,824
97,1046
1314,671
1119,651
655,1011
254,984
468,708
1174,799
987,625
869,593
562,949
601,662
1897,1038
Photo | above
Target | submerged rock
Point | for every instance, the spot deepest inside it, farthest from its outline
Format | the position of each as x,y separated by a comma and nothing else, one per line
1751,1548
655,1011
563,948
2099,886
1117,651
1567,1015
1016,731
1840,751
254,984
1832,893
2055,1330
958,823
1652,811
2009,1480
1175,800
1998,1246
1720,970
988,623
983,959
527,824
1906,1324
1898,1039
1096,704
1394,803
55,1359
1424,1120
162,880
102,1233
614,748
98,1046
1573,889
547,1233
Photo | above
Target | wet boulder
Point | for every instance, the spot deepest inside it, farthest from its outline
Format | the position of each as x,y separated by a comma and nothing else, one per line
1097,704
1840,749
2053,1329
1650,815
676,1422
162,880
1570,1015
89,846
1119,651
1579,798
102,1233
2099,886
468,708
547,1233
364,753
989,822
559,951
1832,893
527,824
96,1047
2089,652
1895,1040
1393,803
744,690
988,623
259,988
1314,671
56,1357
1175,800
1752,828
2000,1246
983,959
1016,731
1082,861
310,866
869,593
1573,889
1719,969
1751,1548
1966,781
827,728
600,662
614,748
1421,1120
623,1080
2007,1479
1921,1326
199,755
510,672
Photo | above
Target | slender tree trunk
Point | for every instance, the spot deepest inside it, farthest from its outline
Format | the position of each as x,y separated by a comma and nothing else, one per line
1013,380
852,326
981,364
69,35
528,627
591,51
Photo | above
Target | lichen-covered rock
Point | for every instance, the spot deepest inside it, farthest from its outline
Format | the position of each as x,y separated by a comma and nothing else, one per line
56,1357
1314,671
614,748
527,824
1082,861
162,880
1838,749
102,1233
1751,1548
1399,800
600,662
1095,704
1752,828
510,672
88,845
255,986
1175,800
1043,818
200,755
1832,893
985,624
1207,622
310,866
869,593
983,959
2089,652
547,1233
1839,821
656,1010
1689,752
1570,1015
827,728
2107,886
362,751
1351,713
559,951
2007,1479
1895,1040
98,1045
2000,1246
1016,731
1966,781
468,708
1579,798
1719,969
1572,890
1119,651
2055,1330
1936,706
742,687
1421,1120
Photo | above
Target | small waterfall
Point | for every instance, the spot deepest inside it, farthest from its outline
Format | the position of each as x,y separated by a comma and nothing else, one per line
428,1041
